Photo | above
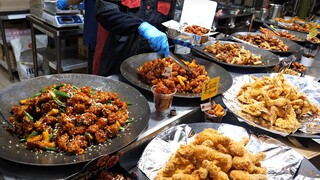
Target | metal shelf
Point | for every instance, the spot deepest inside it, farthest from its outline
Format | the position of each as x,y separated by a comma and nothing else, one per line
68,61
58,58
9,16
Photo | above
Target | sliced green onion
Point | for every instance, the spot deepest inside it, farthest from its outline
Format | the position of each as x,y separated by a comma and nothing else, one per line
36,95
50,149
75,87
53,134
32,134
61,94
58,86
28,115
129,121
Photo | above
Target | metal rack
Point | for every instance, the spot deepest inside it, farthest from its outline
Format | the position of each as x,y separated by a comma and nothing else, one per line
58,59
9,16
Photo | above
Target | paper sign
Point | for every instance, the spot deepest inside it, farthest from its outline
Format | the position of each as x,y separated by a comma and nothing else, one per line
205,106
167,72
210,88
199,12
313,30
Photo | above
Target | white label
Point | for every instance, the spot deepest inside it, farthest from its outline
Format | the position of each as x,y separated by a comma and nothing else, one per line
205,106
167,72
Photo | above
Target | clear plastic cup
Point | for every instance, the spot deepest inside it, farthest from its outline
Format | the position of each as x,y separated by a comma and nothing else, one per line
162,102
213,118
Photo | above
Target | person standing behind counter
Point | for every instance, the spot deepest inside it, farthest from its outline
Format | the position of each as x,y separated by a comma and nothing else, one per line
134,27
90,25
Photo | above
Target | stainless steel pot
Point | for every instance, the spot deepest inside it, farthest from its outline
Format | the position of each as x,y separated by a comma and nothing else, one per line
276,10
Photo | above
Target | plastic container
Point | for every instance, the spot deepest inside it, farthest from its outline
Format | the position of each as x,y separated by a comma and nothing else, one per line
162,102
213,118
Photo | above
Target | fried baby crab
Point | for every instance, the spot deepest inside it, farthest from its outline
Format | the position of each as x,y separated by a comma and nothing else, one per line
274,103
66,118
212,155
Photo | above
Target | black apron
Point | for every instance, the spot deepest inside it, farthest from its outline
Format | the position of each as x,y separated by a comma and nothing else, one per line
118,48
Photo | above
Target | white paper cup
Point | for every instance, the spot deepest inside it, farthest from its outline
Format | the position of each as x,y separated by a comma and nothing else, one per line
307,61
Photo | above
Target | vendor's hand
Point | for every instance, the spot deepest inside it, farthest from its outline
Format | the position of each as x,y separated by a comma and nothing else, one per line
62,4
158,40
186,43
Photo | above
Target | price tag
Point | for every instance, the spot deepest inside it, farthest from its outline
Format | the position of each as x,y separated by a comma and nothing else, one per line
205,106
167,72
210,88
313,30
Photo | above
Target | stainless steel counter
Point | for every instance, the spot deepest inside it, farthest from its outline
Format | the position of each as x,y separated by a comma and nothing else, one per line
188,111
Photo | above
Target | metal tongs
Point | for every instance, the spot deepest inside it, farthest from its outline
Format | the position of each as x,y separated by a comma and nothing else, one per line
5,119
179,62
272,29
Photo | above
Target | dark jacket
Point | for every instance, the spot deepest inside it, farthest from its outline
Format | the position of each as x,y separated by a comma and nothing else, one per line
122,19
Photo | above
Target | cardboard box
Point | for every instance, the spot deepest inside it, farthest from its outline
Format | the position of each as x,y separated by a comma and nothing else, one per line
14,5
83,50
1,52
11,56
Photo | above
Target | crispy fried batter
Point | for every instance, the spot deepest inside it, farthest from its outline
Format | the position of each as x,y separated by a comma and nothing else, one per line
273,102
213,156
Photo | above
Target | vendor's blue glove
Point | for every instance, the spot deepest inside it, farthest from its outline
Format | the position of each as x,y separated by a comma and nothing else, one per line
158,40
62,4
186,43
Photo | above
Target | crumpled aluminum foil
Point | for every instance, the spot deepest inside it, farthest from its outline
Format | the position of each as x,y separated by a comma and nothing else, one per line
281,161
309,124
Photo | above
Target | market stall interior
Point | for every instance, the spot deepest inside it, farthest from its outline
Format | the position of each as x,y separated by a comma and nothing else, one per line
244,104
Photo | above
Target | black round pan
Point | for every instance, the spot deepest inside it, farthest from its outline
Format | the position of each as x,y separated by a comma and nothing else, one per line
129,69
12,150
268,59
293,47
